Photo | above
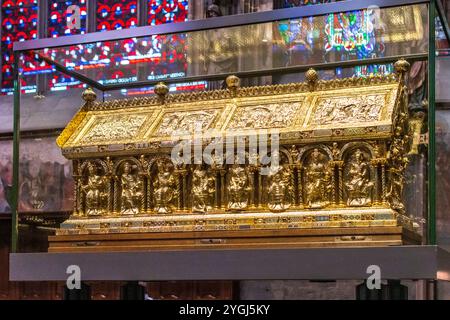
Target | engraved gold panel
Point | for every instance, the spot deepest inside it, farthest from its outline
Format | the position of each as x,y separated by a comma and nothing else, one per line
265,116
338,110
120,126
185,122
345,109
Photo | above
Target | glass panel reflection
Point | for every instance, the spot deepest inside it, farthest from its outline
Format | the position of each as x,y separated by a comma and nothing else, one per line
19,23
46,182
335,37
443,175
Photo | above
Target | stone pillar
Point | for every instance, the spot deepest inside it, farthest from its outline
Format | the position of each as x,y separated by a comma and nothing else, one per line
383,183
116,209
260,189
184,193
110,199
333,183
375,168
222,188
300,185
142,201
77,197
216,191
148,194
179,179
340,165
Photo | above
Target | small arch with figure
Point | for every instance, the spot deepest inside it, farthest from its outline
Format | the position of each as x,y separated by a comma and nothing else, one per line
129,186
94,189
359,176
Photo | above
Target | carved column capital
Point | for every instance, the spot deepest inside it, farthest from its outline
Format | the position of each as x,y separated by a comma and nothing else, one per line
377,161
338,163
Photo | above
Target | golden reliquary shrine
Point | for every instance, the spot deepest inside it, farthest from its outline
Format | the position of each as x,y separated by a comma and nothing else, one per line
184,170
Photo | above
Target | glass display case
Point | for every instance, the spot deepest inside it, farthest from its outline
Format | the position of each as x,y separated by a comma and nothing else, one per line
344,40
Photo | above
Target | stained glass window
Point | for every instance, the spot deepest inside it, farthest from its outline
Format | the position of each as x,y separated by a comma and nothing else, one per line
351,33
356,34
65,18
297,3
19,24
112,15
168,52
342,36
58,81
165,11
162,56
176,87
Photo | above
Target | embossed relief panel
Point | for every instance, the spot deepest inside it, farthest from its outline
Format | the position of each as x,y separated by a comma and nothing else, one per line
264,116
345,109
185,119
116,127
110,127
296,113
186,122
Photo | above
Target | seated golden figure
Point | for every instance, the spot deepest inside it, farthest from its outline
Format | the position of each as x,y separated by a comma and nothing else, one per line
203,188
280,189
238,188
318,186
164,187
94,190
359,186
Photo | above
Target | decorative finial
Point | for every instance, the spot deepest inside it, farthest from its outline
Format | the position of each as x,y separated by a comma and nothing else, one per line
312,77
401,67
89,95
161,89
233,83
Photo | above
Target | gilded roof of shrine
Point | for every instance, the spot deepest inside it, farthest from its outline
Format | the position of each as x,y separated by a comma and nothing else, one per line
312,111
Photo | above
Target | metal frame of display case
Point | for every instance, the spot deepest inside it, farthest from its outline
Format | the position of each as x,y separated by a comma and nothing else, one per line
434,6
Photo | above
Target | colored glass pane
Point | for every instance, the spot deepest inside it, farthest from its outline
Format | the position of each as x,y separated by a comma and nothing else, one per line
113,15
19,24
